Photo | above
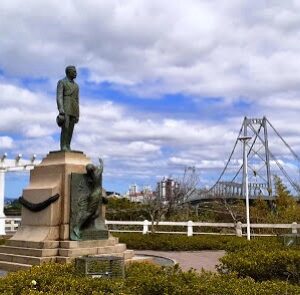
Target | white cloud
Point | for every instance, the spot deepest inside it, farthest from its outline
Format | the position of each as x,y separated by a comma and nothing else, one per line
133,145
207,48
234,50
22,111
6,142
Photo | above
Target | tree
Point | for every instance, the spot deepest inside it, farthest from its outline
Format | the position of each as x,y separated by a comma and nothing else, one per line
236,209
187,186
13,209
159,208
260,211
286,207
124,209
155,207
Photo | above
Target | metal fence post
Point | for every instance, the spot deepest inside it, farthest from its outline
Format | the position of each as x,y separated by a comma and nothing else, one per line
190,228
294,228
238,229
145,227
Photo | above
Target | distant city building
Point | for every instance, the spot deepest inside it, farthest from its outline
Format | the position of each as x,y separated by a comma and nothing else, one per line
134,195
166,189
133,189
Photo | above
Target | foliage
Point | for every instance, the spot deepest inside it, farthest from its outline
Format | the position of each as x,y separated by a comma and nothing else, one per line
13,209
165,242
284,209
263,264
259,211
141,279
123,209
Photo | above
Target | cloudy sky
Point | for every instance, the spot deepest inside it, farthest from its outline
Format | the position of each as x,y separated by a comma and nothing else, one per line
163,84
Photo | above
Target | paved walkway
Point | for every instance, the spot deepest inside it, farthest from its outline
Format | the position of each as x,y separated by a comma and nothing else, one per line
190,259
186,259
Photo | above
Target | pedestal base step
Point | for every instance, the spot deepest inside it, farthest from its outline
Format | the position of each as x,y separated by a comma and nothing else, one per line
12,266
17,255
111,241
127,255
75,252
28,251
22,259
32,244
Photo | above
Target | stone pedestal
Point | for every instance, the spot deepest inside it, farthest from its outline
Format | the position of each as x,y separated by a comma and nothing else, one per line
44,235
51,177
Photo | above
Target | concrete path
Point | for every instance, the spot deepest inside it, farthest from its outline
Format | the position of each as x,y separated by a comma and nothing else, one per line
190,259
186,259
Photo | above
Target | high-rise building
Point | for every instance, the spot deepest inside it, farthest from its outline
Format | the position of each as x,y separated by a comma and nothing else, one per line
166,189
135,195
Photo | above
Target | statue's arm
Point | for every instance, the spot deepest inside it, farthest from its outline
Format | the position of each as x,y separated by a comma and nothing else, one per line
101,165
77,118
60,97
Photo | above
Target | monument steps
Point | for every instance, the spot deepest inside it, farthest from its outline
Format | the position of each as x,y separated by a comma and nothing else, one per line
32,244
111,241
22,259
14,262
12,266
28,251
127,255
75,252
22,254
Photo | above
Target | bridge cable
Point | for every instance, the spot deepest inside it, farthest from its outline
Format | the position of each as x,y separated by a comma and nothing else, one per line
286,144
247,154
227,160
278,164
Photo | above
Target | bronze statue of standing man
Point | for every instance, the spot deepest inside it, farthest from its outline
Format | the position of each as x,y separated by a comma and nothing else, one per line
67,97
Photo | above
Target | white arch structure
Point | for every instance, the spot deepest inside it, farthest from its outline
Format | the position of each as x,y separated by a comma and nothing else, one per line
11,165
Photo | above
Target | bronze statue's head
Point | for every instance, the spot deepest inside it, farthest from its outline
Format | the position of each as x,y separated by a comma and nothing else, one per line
90,168
71,72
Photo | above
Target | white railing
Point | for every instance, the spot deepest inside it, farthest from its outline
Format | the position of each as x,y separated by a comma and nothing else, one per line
12,223
189,226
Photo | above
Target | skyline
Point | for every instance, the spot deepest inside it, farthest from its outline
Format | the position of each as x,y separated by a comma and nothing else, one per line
161,87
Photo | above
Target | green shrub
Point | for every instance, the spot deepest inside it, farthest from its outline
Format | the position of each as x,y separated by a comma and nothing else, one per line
141,279
172,242
263,264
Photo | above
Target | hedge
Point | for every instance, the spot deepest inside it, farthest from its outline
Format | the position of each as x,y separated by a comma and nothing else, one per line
263,264
172,242
141,279
263,258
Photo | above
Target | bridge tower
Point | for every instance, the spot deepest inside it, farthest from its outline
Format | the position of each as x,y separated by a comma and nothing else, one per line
258,156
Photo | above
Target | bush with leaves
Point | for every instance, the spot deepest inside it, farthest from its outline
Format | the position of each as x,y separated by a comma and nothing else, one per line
170,242
141,279
263,264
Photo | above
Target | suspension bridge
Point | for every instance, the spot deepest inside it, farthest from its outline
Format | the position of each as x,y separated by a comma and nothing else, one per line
264,157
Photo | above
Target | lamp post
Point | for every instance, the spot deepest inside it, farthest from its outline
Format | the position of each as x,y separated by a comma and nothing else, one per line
245,139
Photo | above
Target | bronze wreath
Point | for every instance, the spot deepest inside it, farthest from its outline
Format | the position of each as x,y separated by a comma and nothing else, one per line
38,206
